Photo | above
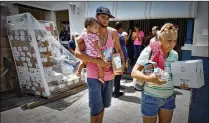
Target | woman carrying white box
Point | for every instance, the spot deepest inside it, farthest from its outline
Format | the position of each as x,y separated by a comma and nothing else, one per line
158,96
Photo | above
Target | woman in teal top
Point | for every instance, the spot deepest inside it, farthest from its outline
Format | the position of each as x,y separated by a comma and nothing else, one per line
158,97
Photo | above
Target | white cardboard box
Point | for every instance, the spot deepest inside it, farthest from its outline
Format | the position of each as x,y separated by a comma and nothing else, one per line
190,71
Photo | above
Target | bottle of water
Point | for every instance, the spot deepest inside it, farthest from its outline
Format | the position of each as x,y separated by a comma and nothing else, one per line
162,74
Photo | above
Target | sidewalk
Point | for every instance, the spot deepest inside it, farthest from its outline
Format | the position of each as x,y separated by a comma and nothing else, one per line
74,109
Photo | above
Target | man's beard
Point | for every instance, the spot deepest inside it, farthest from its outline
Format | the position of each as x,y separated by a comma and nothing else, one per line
102,25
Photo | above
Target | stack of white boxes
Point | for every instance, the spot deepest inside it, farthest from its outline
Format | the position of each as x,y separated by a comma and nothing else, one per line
40,59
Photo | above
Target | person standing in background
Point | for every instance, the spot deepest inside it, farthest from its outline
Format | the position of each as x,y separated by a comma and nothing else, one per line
119,28
155,31
126,36
72,43
177,47
137,38
147,39
63,36
130,47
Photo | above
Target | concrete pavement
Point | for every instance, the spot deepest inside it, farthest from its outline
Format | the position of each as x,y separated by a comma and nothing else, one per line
74,109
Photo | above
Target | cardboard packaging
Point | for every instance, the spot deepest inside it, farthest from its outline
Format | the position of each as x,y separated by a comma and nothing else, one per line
190,71
116,63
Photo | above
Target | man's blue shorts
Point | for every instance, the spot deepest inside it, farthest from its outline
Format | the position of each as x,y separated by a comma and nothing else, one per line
99,95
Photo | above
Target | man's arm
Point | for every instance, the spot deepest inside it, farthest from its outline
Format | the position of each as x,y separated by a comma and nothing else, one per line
126,37
117,46
70,47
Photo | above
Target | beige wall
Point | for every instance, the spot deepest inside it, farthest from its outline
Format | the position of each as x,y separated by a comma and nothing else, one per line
61,15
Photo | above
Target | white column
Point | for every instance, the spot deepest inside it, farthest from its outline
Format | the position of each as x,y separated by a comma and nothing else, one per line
77,19
201,20
200,36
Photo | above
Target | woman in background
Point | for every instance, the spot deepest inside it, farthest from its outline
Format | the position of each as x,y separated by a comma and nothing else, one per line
137,37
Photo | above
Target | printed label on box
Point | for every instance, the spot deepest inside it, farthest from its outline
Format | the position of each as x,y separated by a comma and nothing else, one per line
28,87
25,48
17,53
22,54
22,32
17,38
28,59
23,59
29,83
33,79
22,38
35,84
29,54
19,49
117,61
17,58
14,49
29,64
16,32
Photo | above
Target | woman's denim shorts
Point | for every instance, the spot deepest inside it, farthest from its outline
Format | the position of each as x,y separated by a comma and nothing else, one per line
151,105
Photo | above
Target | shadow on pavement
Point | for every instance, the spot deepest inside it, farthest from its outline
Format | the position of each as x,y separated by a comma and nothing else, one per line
62,104
132,99
13,102
129,89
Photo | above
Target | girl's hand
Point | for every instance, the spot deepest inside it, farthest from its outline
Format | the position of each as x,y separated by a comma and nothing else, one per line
155,79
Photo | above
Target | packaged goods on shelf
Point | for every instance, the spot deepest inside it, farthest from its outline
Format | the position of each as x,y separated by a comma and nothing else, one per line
42,62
